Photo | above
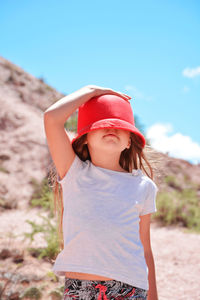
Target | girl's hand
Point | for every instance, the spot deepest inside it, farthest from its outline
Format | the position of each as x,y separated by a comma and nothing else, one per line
98,91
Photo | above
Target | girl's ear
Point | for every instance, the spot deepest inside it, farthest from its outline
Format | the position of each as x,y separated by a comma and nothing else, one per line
129,144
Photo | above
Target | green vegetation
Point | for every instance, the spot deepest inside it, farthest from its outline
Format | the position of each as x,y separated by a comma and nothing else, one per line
179,207
57,294
42,195
32,293
52,276
2,202
8,203
49,230
4,170
47,86
71,123
172,181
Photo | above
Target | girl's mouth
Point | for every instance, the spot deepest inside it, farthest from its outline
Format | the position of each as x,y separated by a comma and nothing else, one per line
110,134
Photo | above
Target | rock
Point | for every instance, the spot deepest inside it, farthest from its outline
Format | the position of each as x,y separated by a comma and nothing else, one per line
5,253
18,257
14,296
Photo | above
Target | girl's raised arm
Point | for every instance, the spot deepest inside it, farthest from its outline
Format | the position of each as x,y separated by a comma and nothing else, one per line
55,117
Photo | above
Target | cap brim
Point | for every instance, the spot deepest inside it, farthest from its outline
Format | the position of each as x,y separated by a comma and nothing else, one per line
111,123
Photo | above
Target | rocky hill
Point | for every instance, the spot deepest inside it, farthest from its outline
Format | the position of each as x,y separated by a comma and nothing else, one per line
23,150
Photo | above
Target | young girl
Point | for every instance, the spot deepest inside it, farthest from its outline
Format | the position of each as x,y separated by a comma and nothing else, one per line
107,198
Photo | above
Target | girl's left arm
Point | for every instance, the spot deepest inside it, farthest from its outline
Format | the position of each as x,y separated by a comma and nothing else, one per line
145,239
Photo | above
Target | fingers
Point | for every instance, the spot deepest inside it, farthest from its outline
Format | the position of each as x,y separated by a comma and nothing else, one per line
127,96
124,96
103,90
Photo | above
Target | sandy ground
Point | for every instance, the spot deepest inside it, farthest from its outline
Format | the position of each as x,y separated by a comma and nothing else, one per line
176,255
177,262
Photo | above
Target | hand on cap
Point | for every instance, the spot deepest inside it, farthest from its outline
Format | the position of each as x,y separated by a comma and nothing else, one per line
98,91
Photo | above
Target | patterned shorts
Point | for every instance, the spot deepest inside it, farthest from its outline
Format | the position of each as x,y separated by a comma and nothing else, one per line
76,289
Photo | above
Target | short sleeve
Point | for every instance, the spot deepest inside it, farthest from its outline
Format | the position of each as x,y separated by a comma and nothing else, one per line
75,167
149,205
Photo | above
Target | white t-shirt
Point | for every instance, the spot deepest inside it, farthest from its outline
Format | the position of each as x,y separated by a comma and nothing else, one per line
101,222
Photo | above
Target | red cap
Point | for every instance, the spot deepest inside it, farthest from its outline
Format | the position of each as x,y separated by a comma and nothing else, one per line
106,111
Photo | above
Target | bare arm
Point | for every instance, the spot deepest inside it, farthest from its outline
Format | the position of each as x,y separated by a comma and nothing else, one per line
145,239
55,117
60,111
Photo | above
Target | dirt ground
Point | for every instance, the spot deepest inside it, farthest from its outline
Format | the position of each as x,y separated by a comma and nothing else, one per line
177,262
176,255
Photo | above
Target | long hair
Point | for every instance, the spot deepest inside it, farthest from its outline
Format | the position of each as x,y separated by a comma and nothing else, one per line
132,158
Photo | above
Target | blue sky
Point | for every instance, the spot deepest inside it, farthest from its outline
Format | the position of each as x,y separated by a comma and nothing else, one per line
147,49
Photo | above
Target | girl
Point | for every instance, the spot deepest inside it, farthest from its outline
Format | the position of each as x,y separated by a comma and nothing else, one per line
107,199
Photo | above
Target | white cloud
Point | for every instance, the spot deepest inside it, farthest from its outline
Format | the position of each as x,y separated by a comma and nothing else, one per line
189,72
136,93
176,145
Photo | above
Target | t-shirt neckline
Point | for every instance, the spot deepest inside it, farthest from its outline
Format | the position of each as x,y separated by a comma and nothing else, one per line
134,172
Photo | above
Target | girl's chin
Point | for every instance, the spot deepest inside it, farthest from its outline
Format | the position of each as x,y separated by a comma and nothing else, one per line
110,147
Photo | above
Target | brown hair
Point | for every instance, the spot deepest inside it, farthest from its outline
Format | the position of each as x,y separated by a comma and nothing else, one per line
132,158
